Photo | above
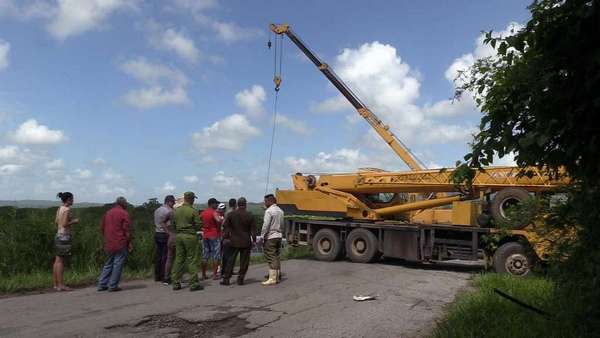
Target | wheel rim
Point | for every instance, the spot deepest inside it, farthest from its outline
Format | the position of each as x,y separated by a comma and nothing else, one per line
507,203
325,245
517,264
359,246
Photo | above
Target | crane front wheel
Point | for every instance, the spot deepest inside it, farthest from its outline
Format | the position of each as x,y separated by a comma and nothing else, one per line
327,245
513,258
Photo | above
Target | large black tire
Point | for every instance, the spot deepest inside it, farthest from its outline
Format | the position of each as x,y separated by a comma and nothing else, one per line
327,245
503,200
513,258
361,246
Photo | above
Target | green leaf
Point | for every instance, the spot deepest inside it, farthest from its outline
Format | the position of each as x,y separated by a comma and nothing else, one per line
502,48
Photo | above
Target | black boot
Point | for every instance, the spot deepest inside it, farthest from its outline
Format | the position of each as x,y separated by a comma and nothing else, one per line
225,281
240,280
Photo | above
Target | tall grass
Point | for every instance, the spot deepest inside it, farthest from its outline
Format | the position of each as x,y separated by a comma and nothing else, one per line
483,313
27,246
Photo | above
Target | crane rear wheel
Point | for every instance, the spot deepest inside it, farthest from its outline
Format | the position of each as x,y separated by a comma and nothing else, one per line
362,246
506,198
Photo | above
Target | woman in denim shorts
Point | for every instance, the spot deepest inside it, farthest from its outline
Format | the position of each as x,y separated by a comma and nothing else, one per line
62,240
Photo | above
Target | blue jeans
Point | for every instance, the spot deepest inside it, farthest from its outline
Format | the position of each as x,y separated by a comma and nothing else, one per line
111,272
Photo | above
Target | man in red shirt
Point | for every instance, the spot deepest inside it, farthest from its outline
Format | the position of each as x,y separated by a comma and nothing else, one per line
117,244
211,239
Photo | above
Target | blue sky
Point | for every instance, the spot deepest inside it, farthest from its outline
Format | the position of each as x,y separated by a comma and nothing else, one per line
143,98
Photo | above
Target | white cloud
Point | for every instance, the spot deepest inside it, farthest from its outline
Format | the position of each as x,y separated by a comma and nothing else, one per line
153,73
167,187
10,169
84,173
163,85
99,161
20,157
221,180
228,32
108,190
232,32
230,133
74,17
251,101
153,97
448,133
31,132
8,153
388,85
506,160
449,108
296,126
190,179
55,164
4,49
176,42
111,175
341,160
333,105
481,51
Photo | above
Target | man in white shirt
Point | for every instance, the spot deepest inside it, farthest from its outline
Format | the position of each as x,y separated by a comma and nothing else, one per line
272,233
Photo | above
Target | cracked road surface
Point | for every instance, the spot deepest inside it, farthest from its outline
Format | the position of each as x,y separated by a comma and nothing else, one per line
314,300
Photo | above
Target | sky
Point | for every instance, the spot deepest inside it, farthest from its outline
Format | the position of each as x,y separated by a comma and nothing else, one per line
145,98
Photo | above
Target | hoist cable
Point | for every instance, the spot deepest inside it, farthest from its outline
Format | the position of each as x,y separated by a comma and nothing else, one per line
272,141
277,72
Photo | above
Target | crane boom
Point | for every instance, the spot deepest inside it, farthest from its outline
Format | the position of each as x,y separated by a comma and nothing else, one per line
381,129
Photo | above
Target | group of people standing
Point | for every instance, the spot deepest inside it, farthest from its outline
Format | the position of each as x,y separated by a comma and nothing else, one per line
225,233
222,232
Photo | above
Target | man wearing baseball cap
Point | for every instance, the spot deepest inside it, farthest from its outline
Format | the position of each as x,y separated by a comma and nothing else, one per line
187,223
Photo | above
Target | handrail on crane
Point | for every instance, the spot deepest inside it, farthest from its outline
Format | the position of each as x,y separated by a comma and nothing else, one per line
381,129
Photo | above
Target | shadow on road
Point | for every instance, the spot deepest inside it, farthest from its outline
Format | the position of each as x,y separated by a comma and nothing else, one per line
134,286
454,266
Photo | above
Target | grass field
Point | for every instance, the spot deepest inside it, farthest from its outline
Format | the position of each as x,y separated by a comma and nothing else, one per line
480,312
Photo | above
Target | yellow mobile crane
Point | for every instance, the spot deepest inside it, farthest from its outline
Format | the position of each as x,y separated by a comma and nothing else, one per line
405,214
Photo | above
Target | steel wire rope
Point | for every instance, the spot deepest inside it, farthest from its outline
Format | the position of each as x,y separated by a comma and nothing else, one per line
276,74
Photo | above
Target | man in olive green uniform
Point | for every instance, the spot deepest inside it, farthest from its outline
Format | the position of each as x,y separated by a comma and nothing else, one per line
239,229
187,223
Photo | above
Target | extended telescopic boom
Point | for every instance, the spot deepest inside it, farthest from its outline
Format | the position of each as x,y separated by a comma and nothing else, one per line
381,129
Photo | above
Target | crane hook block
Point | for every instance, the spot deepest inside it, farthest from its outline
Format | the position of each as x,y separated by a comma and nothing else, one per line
277,81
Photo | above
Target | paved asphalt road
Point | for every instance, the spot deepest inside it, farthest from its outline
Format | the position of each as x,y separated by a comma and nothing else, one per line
314,300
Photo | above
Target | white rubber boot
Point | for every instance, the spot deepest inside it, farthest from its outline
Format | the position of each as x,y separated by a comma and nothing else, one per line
272,278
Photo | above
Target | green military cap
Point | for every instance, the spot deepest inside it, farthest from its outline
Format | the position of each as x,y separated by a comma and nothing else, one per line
189,195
